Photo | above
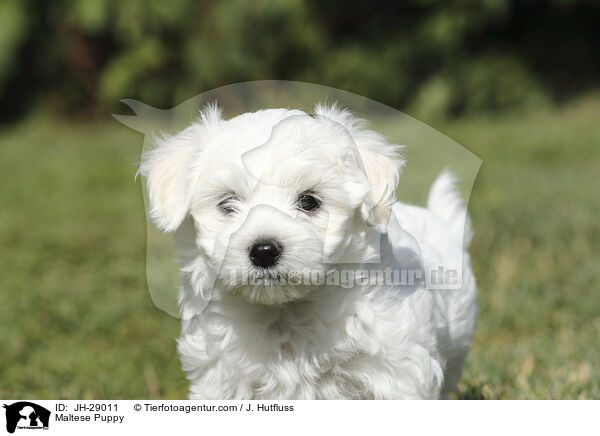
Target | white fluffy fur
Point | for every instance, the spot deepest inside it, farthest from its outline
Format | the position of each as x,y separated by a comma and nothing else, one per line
309,342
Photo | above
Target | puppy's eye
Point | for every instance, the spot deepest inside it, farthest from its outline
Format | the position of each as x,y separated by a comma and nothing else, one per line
227,204
308,202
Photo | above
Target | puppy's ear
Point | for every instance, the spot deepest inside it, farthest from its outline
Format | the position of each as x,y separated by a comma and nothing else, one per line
379,160
171,170
382,165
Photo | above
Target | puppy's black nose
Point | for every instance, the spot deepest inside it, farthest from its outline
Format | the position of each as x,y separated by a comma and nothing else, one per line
265,253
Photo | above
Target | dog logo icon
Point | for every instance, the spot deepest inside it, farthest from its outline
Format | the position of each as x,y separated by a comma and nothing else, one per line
26,415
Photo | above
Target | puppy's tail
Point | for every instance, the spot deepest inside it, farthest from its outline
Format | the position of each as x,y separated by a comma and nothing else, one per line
445,201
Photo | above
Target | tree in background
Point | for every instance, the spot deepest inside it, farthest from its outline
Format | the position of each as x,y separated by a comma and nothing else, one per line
432,57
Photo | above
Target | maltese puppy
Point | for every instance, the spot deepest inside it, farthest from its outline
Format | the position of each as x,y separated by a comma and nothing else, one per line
302,277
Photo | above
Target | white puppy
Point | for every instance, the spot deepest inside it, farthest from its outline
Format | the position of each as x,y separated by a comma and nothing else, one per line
274,211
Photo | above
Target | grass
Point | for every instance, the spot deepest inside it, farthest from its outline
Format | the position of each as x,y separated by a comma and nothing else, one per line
77,320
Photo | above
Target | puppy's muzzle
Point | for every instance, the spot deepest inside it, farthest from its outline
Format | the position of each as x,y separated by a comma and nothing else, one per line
265,253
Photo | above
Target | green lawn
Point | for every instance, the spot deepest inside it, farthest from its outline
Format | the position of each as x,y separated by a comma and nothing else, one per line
76,316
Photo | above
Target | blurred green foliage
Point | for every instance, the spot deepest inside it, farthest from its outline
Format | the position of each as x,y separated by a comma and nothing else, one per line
434,57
